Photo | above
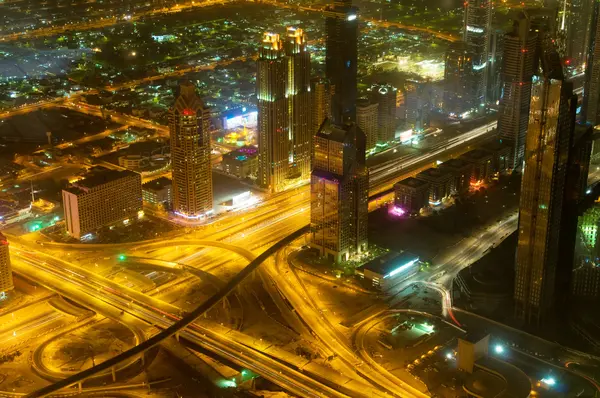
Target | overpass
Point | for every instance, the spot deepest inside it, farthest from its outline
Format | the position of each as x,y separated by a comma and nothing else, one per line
174,328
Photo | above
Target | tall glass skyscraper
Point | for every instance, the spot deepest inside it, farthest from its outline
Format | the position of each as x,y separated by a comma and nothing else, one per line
341,27
518,67
339,191
189,124
476,33
284,110
549,137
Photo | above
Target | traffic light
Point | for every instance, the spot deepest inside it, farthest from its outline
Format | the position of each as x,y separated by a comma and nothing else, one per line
121,257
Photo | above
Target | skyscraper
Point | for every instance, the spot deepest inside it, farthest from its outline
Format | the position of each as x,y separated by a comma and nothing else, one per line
6,279
273,114
341,27
189,124
458,71
476,33
339,192
384,95
320,91
519,62
494,84
549,138
579,19
367,119
590,109
284,110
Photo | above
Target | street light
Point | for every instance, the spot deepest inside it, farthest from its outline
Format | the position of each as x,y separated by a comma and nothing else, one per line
499,349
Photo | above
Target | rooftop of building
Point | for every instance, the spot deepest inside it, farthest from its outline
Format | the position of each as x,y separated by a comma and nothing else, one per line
242,153
455,164
412,182
99,176
434,172
391,263
158,184
333,132
476,154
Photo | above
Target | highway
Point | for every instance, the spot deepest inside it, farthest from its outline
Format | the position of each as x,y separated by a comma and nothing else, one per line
85,290
294,290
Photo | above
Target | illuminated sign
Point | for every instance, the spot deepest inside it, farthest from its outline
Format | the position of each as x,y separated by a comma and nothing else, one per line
401,268
247,119
474,29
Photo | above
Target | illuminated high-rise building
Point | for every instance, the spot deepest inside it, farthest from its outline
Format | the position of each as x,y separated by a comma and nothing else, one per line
458,70
341,29
320,91
590,109
189,124
103,198
519,63
299,98
384,95
494,84
579,18
367,119
273,114
284,110
476,33
543,189
6,279
339,192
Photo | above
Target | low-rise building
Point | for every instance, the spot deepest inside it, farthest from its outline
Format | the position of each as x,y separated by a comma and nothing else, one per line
411,194
461,174
502,153
133,162
158,192
483,164
6,280
241,163
103,198
390,269
440,184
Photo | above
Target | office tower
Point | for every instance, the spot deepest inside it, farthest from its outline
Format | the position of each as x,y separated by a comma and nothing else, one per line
320,91
385,95
495,66
476,33
518,67
575,199
547,147
341,29
458,70
189,123
590,109
6,279
103,198
367,119
273,114
299,96
577,35
339,192
284,110
585,282
417,104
